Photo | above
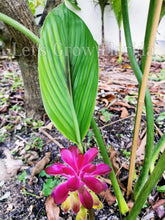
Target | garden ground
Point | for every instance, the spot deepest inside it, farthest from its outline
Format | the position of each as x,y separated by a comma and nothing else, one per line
25,142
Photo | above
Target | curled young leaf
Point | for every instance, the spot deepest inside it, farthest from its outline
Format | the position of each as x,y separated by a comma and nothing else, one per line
68,72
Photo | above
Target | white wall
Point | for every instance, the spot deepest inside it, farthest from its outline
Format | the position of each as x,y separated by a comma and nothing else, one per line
138,18
138,9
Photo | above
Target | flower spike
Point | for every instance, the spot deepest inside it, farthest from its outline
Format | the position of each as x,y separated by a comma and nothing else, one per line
82,183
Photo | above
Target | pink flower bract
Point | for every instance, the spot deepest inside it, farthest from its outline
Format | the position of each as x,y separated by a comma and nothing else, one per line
80,174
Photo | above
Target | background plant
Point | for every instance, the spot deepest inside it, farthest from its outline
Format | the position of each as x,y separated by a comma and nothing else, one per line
102,4
34,4
149,148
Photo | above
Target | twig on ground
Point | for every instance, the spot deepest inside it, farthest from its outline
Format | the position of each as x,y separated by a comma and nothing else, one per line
158,130
114,122
22,139
41,130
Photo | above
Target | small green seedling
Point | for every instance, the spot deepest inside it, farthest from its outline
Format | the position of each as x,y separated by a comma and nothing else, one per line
15,107
33,4
22,176
90,136
49,185
106,114
161,117
44,174
125,153
158,58
33,123
35,143
161,75
131,99
161,189
145,205
157,76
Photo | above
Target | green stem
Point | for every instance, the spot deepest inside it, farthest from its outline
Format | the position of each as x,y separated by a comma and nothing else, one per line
156,152
148,101
121,201
151,12
102,24
19,27
149,185
91,214
120,55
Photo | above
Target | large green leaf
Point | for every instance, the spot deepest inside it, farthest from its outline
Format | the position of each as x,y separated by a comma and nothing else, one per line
68,72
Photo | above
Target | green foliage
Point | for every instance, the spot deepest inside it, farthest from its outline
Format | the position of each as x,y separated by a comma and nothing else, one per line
33,123
44,174
147,188
90,136
161,74
156,151
3,136
68,73
131,99
158,76
116,5
22,176
49,185
68,86
126,153
34,4
161,117
161,189
102,4
74,4
34,143
148,101
106,115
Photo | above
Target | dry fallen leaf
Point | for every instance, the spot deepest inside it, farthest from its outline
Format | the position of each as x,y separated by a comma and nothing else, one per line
106,102
105,87
102,118
130,205
116,164
9,166
3,109
158,203
110,199
110,97
49,126
123,104
114,109
39,166
52,209
106,98
141,150
124,113
33,155
108,181
126,66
